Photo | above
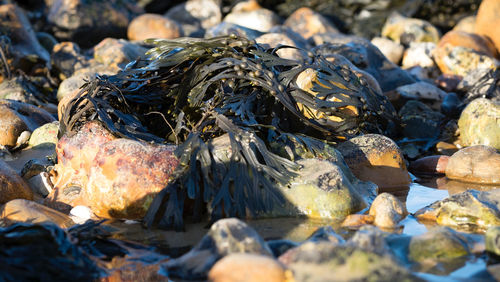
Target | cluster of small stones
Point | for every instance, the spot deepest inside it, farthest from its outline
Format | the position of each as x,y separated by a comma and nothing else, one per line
445,86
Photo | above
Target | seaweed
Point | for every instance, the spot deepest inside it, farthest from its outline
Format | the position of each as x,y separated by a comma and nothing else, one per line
189,91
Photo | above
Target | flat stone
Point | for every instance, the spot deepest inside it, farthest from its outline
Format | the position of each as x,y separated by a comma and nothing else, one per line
12,186
478,164
21,210
421,90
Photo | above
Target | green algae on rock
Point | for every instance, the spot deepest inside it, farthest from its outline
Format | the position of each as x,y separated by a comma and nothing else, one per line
470,210
438,244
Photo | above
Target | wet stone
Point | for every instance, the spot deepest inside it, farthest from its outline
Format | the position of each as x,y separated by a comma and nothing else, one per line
355,221
477,164
325,261
391,49
430,165
249,268
225,237
493,240
470,211
438,244
153,26
307,22
387,211
326,234
407,30
479,123
376,158
26,211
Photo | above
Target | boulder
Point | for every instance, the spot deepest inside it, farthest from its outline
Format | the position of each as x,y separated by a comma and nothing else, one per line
479,123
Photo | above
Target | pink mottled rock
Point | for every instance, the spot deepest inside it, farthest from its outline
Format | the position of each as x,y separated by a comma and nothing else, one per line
126,175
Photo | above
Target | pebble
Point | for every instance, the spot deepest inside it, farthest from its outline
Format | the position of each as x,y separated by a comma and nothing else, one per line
419,54
276,39
376,158
307,23
407,30
45,135
479,123
153,26
196,16
116,53
488,17
467,24
421,90
460,53
477,164
11,125
391,49
387,211
88,22
80,214
248,268
225,28
252,17
67,58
